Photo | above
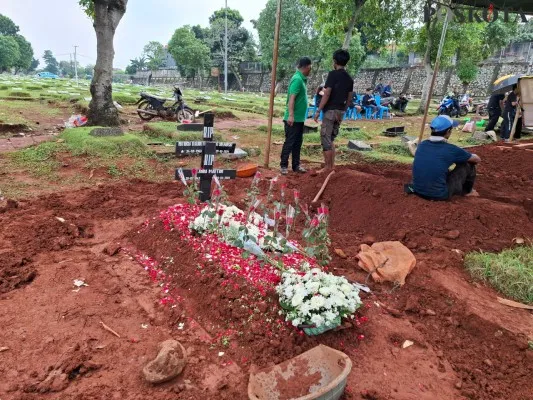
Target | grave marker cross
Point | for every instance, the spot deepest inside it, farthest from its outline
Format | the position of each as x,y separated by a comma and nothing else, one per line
208,149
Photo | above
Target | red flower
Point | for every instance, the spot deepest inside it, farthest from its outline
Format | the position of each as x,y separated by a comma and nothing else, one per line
216,192
221,212
314,222
194,171
296,194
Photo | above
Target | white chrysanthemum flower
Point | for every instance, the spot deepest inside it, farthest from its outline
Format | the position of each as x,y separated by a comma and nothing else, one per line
318,320
297,300
317,302
312,287
325,291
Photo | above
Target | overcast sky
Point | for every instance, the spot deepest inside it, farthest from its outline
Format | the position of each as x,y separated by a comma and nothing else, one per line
58,25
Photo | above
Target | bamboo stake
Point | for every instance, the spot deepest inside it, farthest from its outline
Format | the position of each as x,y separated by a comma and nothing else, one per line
515,122
434,77
323,187
273,84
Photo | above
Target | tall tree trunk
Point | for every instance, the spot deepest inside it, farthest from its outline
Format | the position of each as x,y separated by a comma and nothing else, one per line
237,77
428,68
107,15
358,6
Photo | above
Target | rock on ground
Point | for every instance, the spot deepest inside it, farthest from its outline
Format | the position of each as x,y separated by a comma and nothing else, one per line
168,364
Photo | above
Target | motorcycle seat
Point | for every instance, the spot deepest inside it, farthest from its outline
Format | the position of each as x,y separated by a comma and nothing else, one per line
144,94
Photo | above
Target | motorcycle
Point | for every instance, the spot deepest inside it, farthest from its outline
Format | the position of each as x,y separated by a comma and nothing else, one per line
447,107
150,106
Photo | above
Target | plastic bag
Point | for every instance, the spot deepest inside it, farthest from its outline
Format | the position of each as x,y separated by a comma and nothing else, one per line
75,121
387,261
469,127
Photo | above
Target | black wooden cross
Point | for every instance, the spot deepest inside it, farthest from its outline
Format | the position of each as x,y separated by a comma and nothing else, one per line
208,149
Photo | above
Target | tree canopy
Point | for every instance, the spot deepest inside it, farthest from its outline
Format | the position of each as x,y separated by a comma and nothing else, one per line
9,52
190,53
52,65
155,53
298,36
19,58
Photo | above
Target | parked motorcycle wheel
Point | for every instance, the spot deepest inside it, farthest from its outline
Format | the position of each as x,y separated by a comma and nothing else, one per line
185,114
463,111
145,105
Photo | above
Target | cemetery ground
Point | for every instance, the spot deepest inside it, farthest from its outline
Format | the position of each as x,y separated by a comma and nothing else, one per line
83,208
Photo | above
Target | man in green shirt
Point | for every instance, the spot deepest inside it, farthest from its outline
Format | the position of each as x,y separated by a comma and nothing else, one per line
295,116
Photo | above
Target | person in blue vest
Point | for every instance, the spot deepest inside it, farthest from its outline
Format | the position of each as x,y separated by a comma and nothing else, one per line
440,169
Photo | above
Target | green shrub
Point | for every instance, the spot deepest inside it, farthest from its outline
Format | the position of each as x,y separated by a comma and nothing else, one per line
4,87
32,87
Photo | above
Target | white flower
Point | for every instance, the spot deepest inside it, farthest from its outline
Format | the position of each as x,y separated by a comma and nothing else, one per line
318,320
346,288
317,302
325,291
297,300
312,287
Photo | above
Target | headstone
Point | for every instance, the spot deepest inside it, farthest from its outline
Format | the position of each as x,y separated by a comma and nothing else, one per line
208,149
359,145
191,127
480,135
308,129
407,138
101,132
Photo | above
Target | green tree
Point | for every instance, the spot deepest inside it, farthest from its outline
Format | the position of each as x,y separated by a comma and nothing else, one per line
155,53
241,46
191,55
88,70
52,65
328,44
137,64
9,52
524,32
33,66
7,26
106,15
470,42
297,38
26,54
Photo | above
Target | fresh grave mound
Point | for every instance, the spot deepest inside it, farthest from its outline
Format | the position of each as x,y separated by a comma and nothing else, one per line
368,205
231,292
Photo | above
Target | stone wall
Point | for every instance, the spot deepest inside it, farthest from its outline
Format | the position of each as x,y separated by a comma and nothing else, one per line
408,79
411,79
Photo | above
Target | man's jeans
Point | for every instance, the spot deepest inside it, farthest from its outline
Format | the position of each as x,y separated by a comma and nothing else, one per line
292,145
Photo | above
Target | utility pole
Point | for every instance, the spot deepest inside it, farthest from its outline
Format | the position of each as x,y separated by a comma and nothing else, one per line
226,51
76,64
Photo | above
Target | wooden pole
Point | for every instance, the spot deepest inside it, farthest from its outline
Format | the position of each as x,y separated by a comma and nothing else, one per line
435,72
273,84
515,122
317,197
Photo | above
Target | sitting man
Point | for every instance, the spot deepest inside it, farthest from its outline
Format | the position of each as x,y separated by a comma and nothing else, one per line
386,95
400,103
432,178
355,106
370,102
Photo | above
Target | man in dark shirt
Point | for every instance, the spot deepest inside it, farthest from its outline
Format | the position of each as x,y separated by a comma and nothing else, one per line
379,87
509,111
432,178
337,97
370,102
494,108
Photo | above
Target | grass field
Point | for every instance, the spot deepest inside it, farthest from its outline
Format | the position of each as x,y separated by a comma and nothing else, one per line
510,272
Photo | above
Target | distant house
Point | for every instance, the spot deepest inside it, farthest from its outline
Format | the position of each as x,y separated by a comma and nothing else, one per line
169,63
